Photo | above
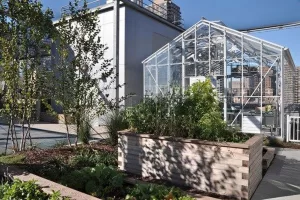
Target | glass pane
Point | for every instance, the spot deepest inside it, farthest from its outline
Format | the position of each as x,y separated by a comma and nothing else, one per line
202,50
189,35
202,30
190,70
251,48
176,52
233,49
151,61
217,68
217,48
149,81
202,69
175,77
162,79
162,57
269,50
214,31
189,53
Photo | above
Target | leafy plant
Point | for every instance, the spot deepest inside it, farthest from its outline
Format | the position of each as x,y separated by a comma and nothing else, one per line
25,190
85,73
115,122
90,158
155,192
84,131
194,114
101,181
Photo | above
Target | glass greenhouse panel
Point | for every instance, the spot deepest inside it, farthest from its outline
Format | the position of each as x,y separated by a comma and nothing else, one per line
189,53
150,83
251,48
162,79
217,68
202,50
202,31
269,50
189,35
175,77
215,31
190,70
176,51
217,48
233,46
202,69
162,57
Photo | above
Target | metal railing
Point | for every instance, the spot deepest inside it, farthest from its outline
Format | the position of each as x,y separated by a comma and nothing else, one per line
293,128
171,15
90,3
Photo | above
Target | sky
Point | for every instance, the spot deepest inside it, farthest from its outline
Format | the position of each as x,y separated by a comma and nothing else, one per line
237,14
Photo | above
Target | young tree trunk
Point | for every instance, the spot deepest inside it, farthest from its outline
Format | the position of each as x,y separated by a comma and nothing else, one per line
16,137
28,135
67,127
22,144
7,138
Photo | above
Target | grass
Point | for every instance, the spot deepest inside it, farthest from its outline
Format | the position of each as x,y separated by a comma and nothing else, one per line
12,159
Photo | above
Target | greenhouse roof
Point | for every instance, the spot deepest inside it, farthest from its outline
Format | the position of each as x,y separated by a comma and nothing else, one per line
251,44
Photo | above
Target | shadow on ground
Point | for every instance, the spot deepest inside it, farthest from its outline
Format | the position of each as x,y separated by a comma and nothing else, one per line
282,179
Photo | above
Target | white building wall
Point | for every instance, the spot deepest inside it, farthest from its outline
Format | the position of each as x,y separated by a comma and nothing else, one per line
143,36
140,36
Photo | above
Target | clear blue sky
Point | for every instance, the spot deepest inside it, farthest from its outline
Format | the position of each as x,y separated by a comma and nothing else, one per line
237,14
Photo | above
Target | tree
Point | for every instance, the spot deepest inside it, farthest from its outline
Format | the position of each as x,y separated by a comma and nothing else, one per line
24,28
85,75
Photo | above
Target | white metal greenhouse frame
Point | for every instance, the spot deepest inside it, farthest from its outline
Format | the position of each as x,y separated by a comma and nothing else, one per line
253,78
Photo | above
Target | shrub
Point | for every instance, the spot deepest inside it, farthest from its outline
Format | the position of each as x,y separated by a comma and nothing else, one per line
115,122
101,181
84,132
90,158
153,192
195,114
26,191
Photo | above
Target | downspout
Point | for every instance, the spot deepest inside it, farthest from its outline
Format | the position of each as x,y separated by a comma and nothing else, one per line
116,49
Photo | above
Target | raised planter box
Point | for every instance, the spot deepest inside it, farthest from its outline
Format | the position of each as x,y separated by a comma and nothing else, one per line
232,169
46,185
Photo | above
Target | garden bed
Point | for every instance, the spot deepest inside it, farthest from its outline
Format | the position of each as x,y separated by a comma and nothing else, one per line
231,169
76,172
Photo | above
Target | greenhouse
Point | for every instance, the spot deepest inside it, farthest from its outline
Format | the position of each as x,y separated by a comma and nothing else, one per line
253,78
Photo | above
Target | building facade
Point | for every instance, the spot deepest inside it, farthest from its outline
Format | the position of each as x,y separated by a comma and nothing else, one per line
141,33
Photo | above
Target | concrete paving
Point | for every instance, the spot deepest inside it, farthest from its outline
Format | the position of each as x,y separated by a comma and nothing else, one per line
282,180
48,135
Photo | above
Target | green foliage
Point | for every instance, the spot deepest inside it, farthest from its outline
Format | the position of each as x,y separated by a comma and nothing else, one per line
115,122
12,159
26,191
101,181
24,27
90,158
84,131
156,192
85,73
195,114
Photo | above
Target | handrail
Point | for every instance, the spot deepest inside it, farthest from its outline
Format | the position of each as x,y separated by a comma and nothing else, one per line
150,6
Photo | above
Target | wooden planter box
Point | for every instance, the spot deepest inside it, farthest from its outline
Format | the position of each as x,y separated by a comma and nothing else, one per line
233,169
